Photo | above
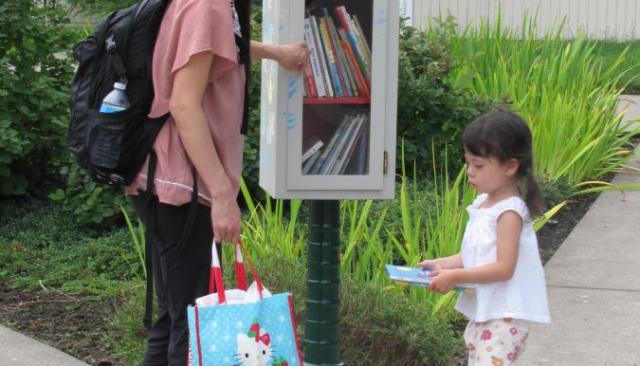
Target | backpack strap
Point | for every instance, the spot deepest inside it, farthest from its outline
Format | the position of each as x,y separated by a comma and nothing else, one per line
152,206
116,59
151,228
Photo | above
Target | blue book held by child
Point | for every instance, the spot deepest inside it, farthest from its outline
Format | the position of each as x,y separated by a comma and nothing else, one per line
416,276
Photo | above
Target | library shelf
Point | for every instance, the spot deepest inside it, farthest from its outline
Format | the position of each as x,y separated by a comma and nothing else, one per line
345,100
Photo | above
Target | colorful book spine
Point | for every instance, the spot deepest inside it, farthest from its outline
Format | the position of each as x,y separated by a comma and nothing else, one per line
336,47
362,41
314,59
361,81
310,86
324,66
347,24
346,69
326,42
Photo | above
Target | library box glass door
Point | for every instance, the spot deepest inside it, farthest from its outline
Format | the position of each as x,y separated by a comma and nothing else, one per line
337,108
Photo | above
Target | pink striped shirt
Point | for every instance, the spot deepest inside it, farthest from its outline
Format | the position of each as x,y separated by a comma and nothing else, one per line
190,27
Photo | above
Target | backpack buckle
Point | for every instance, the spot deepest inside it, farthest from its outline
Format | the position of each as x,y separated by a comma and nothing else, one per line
111,44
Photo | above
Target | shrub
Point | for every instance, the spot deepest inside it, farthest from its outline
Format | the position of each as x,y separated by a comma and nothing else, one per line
372,319
34,80
430,110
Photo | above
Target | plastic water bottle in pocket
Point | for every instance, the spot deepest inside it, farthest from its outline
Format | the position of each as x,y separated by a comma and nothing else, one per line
116,100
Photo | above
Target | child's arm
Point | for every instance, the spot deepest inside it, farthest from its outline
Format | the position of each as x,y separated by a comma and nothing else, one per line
508,229
451,262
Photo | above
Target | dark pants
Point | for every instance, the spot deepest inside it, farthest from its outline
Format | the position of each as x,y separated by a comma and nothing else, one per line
181,274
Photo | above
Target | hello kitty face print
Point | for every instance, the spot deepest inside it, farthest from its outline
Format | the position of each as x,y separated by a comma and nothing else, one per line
254,347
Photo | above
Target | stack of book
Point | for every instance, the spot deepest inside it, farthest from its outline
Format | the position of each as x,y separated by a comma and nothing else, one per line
340,57
347,148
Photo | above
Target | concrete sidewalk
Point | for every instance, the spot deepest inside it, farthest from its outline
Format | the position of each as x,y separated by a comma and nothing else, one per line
19,350
593,283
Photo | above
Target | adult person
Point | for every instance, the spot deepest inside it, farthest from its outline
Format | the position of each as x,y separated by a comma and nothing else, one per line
200,75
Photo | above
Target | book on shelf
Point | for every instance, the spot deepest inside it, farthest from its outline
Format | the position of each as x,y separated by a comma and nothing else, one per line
321,159
352,145
355,38
307,165
310,146
322,59
314,60
340,56
346,69
331,60
309,84
340,151
334,155
358,164
337,49
362,42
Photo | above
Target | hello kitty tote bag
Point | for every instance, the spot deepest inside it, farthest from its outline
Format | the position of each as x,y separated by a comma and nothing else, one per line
246,326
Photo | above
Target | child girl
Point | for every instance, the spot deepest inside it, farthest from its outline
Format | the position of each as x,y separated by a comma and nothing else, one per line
499,249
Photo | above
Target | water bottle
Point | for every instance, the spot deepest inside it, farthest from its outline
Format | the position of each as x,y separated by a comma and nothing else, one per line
116,100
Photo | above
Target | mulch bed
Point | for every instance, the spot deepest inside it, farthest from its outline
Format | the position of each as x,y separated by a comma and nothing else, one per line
71,323
77,325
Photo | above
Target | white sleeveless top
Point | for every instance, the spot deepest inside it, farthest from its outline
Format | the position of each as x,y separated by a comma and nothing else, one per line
524,296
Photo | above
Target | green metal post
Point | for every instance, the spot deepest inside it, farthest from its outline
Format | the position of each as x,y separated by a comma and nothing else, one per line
321,339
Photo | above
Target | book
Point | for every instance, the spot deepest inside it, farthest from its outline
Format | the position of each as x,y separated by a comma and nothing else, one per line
359,163
360,35
331,60
322,58
348,153
334,156
314,59
347,23
310,146
340,59
306,167
358,78
327,150
309,84
416,276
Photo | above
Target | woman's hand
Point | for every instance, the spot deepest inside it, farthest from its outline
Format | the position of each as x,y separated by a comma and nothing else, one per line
292,57
225,217
443,281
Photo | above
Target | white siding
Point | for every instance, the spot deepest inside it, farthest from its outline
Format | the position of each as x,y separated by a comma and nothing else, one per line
616,19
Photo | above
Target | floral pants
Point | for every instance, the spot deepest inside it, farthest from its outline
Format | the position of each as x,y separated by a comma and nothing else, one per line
496,342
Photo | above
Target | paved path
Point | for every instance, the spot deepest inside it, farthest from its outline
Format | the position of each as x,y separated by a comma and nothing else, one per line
19,350
593,283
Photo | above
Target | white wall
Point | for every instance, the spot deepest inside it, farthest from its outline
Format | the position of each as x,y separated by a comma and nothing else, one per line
599,18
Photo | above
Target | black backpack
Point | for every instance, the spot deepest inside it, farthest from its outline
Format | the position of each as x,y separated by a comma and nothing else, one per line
112,147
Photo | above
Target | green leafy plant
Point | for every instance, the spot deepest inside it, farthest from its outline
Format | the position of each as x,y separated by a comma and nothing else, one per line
430,108
34,77
89,202
560,87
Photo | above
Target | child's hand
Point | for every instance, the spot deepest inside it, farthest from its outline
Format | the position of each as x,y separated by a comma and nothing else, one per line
443,281
432,264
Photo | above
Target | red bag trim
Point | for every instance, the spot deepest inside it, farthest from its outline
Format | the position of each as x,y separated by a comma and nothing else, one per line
295,328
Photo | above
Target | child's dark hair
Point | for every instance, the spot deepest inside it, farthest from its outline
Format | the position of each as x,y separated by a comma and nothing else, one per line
504,135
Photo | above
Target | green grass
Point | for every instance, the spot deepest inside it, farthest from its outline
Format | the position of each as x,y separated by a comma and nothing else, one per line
609,50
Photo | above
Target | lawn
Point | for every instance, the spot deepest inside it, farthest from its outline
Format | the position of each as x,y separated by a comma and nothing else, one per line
609,50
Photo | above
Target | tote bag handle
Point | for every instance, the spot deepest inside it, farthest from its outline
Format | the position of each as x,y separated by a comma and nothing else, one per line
216,281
